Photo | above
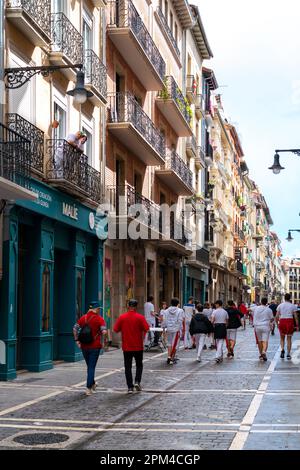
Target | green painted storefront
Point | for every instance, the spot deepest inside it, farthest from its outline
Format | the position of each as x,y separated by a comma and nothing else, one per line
52,268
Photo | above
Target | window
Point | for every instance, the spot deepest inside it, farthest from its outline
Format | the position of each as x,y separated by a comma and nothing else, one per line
46,298
171,22
60,115
166,10
58,6
88,128
176,32
87,30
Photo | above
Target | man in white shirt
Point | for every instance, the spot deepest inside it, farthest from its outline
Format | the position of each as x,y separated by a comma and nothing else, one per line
220,320
285,317
262,319
188,312
150,319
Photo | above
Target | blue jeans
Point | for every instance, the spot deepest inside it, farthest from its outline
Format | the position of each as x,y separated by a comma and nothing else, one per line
91,358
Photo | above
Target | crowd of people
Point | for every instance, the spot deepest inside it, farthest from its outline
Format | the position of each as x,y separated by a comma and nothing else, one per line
200,327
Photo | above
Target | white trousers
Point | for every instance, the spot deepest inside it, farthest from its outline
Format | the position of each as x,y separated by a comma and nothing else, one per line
150,335
188,343
219,353
200,341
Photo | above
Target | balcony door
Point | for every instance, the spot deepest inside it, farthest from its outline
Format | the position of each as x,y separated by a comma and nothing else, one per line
87,30
22,100
59,6
60,115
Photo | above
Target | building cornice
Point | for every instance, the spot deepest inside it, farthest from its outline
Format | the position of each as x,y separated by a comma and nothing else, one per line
200,35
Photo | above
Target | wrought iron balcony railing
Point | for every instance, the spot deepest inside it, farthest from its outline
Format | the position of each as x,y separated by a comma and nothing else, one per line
66,39
33,134
125,108
168,30
67,165
200,155
39,12
173,91
202,255
174,162
123,14
95,72
14,157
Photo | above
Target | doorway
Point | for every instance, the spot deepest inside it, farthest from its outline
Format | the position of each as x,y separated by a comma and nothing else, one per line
60,267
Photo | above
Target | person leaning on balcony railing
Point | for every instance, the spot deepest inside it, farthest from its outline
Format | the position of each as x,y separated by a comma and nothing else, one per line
77,141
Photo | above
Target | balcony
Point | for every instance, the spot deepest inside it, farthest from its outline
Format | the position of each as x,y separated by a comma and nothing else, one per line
129,123
99,3
68,170
239,234
176,174
35,137
200,157
14,165
199,258
163,24
191,147
67,44
175,108
32,18
241,268
95,77
191,88
209,154
199,103
132,39
178,238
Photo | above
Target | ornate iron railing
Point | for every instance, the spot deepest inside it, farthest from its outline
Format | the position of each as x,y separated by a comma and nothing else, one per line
123,107
174,162
65,38
202,256
14,157
39,12
95,72
168,30
31,133
200,155
173,91
123,14
68,165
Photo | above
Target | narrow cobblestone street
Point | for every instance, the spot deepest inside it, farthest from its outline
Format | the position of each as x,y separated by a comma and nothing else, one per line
240,404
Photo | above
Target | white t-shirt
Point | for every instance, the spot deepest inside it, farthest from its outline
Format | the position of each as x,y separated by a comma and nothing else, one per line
262,316
208,312
148,308
220,315
73,138
286,310
188,310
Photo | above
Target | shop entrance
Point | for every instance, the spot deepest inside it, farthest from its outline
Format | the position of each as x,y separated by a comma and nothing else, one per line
59,296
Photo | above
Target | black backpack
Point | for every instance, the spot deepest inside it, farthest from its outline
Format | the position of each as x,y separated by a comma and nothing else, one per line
85,335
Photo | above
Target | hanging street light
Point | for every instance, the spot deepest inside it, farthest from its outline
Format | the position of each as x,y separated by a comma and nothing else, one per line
276,167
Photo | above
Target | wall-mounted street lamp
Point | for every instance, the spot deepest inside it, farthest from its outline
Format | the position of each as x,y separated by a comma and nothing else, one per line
289,237
276,167
17,77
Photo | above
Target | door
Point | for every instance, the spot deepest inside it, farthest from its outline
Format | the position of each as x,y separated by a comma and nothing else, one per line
87,30
59,297
60,115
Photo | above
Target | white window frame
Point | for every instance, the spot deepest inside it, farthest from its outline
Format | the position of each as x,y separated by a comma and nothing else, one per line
89,125
89,19
62,102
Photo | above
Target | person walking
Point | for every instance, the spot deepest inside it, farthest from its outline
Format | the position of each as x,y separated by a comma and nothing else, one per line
220,319
200,327
88,332
149,313
263,319
208,311
273,306
234,322
133,327
188,312
244,311
285,317
172,321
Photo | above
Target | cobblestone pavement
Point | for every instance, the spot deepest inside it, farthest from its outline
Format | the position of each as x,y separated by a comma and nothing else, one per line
240,404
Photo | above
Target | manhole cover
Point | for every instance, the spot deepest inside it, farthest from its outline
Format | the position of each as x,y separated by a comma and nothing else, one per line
41,438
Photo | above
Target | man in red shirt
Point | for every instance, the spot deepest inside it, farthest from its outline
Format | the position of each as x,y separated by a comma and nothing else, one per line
133,327
91,349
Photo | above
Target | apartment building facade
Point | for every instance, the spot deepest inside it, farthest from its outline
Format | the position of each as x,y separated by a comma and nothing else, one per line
52,256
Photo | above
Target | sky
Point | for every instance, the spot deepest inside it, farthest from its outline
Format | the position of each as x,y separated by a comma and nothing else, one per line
256,48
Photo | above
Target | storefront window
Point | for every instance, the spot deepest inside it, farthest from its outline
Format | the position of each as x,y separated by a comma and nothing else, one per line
46,299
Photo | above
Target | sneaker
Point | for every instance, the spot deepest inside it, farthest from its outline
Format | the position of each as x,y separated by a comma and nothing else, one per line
232,354
88,392
289,357
205,347
138,387
169,360
282,354
211,347
94,387
264,357
199,359
130,390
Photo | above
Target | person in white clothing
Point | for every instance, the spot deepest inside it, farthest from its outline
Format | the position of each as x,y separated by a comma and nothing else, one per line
286,318
220,320
208,311
188,312
172,321
149,313
262,320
